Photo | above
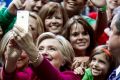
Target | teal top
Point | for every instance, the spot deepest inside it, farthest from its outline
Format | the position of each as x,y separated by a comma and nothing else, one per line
7,20
88,75
89,20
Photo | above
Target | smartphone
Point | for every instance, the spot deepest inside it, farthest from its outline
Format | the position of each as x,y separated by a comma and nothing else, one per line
23,19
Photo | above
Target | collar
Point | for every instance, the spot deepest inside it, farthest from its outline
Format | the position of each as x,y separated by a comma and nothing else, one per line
118,70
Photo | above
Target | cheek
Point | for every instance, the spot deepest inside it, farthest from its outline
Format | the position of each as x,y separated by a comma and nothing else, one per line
113,42
72,39
60,21
105,68
57,56
57,61
47,22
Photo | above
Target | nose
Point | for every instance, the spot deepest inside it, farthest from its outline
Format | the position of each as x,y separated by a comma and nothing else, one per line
96,63
54,21
44,52
80,36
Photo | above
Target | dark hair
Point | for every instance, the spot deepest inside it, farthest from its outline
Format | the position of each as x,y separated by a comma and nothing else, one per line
77,19
109,57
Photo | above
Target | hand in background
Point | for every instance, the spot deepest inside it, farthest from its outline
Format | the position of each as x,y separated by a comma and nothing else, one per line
99,3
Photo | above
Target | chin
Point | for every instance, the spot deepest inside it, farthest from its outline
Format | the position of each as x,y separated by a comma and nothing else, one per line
19,66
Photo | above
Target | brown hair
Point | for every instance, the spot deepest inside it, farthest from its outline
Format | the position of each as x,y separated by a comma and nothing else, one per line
109,57
79,20
50,9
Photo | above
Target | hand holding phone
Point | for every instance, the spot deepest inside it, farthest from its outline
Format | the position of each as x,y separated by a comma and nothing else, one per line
23,19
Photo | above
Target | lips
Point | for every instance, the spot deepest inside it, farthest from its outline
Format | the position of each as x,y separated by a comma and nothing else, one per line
81,43
71,3
95,70
48,57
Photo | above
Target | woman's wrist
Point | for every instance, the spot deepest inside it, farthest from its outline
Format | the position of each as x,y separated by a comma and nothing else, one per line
35,58
102,9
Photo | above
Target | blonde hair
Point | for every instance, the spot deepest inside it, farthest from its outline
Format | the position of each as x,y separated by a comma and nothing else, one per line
65,47
40,27
4,42
9,34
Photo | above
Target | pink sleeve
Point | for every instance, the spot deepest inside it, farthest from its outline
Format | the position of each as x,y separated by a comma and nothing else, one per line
45,71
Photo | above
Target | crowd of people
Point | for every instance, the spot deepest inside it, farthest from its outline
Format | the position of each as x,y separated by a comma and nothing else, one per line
66,40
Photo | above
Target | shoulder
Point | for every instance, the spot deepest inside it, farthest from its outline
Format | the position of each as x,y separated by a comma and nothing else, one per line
69,75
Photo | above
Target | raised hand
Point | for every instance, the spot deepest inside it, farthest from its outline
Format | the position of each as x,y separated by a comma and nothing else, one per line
19,3
16,5
23,39
12,50
98,3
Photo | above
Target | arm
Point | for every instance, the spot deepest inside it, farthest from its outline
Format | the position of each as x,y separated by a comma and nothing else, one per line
45,68
101,23
7,15
101,18
40,65
11,57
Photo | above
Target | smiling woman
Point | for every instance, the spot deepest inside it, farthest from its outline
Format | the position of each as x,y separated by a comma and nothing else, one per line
50,59
54,17
102,64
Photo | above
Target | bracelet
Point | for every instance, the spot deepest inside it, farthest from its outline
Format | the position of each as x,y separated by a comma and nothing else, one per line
35,59
102,9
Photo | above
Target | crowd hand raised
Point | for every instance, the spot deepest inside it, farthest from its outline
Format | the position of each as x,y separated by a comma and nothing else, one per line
13,51
25,42
11,56
98,3
19,3
78,60
16,5
24,39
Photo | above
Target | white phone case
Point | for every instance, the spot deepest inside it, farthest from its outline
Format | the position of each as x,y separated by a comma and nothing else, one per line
22,19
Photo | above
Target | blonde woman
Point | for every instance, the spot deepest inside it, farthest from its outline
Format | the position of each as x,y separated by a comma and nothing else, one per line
21,62
51,57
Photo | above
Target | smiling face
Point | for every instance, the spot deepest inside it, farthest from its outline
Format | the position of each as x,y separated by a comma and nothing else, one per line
79,38
54,23
74,5
22,61
34,5
99,65
49,48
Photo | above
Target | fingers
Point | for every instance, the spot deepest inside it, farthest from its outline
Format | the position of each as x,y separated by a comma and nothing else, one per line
19,32
76,64
19,3
79,71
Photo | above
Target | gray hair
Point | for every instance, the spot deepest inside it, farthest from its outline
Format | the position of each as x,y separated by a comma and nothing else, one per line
65,47
117,23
